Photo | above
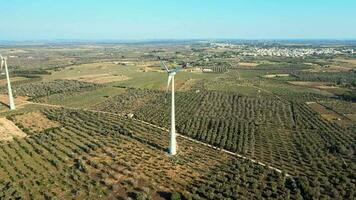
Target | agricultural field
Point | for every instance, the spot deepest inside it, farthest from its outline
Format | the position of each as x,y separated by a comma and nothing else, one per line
92,123
98,155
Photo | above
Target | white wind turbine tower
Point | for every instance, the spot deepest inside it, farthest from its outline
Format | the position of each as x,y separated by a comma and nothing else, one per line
11,99
172,131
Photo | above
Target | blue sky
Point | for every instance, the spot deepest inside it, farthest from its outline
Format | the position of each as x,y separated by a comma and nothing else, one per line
177,19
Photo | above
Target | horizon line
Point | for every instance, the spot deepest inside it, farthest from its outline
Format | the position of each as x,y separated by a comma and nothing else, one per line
167,40
178,39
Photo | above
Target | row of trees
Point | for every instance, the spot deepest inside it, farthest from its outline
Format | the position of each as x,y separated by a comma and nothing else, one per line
128,102
284,134
347,79
50,164
46,88
238,179
341,107
316,152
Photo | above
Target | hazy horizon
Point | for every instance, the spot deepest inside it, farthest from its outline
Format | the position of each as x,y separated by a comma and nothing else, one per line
176,20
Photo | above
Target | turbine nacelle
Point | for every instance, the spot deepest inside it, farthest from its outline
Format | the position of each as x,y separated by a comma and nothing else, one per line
170,71
175,70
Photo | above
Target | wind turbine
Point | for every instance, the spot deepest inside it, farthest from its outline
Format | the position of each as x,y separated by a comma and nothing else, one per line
172,131
11,99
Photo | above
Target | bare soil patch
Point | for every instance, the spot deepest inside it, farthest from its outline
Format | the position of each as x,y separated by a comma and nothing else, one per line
336,68
150,69
147,167
352,117
14,51
19,100
248,64
318,85
275,75
325,112
100,78
149,66
351,61
36,121
3,82
186,85
332,68
8,130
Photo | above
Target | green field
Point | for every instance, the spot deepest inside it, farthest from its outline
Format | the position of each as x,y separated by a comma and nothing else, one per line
83,99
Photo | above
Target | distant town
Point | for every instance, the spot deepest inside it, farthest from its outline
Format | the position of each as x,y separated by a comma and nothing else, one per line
251,50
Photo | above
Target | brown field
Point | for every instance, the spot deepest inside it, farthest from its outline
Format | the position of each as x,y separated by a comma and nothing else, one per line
36,121
19,100
13,79
247,64
154,169
150,66
182,85
14,51
100,78
324,112
8,130
186,85
324,86
352,117
336,68
150,69
275,75
318,85
350,61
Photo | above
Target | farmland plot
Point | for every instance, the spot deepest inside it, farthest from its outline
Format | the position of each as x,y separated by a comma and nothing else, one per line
9,131
284,134
97,155
40,89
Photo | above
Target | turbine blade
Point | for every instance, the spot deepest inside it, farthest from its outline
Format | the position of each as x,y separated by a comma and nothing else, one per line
168,83
2,63
165,66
